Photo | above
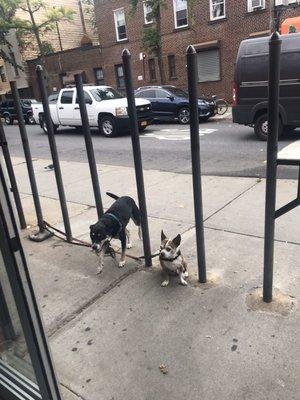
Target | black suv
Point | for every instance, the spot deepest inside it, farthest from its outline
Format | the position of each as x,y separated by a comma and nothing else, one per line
8,111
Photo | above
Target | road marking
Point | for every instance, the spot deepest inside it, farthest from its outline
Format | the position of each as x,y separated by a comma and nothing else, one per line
178,135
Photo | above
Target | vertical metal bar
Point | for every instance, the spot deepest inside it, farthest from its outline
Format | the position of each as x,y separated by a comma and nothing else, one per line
5,320
134,129
21,286
27,152
89,144
12,178
272,149
298,194
192,75
54,153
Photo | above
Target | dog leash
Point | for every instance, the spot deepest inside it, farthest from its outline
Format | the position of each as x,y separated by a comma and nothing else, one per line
77,242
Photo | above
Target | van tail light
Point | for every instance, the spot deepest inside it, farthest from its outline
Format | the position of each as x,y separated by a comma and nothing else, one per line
235,94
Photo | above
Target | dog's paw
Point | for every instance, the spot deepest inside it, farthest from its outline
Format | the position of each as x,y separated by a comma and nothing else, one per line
164,283
129,246
121,264
186,274
183,282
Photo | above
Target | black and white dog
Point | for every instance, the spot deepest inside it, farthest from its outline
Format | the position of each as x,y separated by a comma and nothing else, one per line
113,224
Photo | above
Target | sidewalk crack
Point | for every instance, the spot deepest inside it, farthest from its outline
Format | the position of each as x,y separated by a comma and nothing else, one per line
72,391
231,201
249,235
62,324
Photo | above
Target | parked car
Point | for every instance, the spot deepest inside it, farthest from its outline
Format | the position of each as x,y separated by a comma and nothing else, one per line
171,103
9,114
250,91
107,110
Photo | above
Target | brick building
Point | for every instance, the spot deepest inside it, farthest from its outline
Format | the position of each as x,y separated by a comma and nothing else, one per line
215,28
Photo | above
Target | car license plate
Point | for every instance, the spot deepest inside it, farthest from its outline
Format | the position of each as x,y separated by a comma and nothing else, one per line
144,123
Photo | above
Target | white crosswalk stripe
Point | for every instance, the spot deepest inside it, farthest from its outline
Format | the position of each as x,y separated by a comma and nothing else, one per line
176,135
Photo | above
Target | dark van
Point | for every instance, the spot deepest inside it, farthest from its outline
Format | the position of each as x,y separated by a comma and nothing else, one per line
250,91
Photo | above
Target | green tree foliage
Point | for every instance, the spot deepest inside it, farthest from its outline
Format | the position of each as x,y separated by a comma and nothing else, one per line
28,30
89,9
152,43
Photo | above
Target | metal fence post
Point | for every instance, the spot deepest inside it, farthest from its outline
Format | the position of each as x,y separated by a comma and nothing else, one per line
134,129
89,144
192,75
42,234
12,177
54,153
272,148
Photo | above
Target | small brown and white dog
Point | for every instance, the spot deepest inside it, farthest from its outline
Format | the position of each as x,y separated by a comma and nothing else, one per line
171,260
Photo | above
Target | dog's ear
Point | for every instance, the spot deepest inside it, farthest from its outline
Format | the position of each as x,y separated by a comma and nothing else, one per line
163,236
177,240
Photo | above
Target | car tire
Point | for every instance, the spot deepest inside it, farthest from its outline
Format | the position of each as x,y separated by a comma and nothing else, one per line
184,116
107,126
8,119
142,129
30,120
204,119
261,127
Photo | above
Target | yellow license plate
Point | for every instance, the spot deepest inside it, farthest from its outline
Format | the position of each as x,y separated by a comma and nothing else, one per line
144,123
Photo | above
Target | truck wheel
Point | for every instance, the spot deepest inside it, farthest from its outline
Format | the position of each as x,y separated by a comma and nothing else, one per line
261,127
45,129
107,126
8,119
184,116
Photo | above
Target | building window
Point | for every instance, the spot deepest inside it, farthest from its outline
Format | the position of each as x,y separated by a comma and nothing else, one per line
209,65
120,24
120,76
99,76
148,12
2,74
217,9
172,66
152,69
254,5
180,13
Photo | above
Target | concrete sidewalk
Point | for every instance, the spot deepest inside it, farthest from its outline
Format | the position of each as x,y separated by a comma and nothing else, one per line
110,334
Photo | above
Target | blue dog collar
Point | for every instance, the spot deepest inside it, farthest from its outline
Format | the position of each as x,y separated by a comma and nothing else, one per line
116,219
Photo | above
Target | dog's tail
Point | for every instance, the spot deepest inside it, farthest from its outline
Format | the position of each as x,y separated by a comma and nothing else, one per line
114,196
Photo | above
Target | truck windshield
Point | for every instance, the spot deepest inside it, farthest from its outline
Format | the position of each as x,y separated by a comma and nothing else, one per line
105,94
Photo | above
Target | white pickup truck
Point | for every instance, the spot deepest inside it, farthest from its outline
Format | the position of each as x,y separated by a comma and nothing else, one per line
107,110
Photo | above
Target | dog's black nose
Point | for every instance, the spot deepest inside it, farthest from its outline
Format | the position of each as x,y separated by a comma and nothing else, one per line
94,246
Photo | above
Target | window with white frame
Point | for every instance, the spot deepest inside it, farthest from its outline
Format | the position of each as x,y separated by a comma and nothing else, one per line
180,13
255,5
148,12
120,24
217,9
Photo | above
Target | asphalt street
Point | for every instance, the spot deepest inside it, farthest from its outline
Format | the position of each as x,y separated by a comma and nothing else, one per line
226,149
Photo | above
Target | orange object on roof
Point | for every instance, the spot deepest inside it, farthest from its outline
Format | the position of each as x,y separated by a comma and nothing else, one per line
290,25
